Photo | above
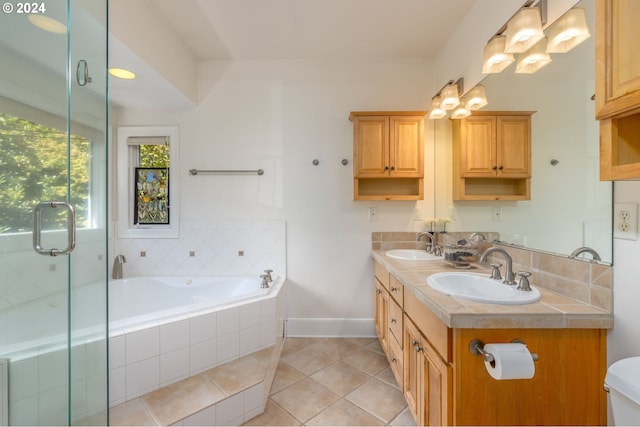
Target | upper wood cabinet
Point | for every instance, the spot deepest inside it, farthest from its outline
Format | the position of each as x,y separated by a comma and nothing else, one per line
617,59
388,153
618,88
492,156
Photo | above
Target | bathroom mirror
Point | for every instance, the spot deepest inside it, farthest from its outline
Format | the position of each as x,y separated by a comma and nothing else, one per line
569,207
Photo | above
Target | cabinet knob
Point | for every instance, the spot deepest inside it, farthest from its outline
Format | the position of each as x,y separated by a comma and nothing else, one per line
393,289
378,291
393,320
393,168
386,168
501,167
494,168
394,360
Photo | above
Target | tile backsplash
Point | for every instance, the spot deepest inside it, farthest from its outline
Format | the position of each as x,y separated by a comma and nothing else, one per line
209,248
586,281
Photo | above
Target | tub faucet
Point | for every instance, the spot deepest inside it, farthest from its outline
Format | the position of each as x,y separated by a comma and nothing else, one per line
265,281
429,247
117,266
586,249
509,277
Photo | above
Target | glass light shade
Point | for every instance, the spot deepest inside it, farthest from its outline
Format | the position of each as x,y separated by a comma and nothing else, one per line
476,98
436,111
462,111
568,31
449,97
523,30
495,59
533,59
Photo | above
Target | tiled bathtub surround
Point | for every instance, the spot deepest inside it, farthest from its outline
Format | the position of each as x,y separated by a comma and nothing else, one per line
143,359
588,282
209,248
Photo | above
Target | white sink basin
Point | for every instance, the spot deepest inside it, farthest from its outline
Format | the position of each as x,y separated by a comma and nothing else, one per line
411,255
480,288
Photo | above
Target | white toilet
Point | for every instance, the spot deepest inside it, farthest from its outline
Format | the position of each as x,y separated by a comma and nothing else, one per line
623,382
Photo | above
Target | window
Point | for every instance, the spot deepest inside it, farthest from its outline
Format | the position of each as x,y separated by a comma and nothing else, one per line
147,199
34,160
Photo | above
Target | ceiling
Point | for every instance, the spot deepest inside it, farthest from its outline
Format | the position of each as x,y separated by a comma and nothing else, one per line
312,29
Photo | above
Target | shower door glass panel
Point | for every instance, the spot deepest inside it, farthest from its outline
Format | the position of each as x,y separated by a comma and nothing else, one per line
52,149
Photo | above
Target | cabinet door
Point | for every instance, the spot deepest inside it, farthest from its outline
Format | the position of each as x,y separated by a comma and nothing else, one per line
617,59
478,147
371,147
381,314
437,383
406,146
412,371
513,146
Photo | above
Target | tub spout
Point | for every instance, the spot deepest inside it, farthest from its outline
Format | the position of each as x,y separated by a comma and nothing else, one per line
116,273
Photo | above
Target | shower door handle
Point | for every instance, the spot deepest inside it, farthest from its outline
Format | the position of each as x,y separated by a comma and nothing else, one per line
37,228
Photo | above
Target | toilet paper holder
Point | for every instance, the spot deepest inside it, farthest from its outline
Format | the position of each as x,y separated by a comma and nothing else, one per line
476,347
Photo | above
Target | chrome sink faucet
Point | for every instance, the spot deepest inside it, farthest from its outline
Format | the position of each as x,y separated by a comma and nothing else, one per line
116,273
430,241
509,277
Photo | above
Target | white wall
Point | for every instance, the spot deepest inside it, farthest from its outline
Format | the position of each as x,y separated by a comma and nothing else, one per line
623,339
280,116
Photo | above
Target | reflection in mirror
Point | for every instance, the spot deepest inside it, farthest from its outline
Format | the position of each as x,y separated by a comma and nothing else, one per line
569,207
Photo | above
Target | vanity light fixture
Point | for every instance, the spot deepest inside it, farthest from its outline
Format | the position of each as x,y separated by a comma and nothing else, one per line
436,111
523,30
533,59
462,111
476,98
495,58
450,94
568,31
446,98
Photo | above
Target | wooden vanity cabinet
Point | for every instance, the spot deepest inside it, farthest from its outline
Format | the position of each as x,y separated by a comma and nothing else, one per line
444,384
618,88
388,153
492,156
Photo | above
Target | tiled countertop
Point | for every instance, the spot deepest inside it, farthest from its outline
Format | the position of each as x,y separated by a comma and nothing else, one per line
554,310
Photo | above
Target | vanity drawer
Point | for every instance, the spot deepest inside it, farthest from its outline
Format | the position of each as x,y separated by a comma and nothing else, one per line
396,290
396,361
395,321
434,330
381,273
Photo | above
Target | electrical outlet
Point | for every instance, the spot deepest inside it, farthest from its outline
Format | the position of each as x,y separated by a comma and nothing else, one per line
625,221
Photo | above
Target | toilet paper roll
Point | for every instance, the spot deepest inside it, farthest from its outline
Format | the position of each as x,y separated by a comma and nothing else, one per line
511,361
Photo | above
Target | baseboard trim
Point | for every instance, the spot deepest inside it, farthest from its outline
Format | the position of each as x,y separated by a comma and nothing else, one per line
329,327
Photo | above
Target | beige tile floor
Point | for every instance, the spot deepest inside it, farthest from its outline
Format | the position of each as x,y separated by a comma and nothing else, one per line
334,381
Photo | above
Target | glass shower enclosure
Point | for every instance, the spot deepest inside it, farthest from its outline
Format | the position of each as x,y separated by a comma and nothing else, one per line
53,213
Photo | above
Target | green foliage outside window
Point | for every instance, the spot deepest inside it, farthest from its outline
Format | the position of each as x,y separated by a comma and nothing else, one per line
34,160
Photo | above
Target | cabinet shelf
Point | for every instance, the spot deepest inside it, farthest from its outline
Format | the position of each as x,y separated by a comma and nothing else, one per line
388,188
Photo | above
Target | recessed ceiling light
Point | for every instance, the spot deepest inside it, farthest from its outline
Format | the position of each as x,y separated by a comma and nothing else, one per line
48,24
121,73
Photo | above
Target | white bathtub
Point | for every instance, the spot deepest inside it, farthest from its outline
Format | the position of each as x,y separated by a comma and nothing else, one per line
150,299
165,329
